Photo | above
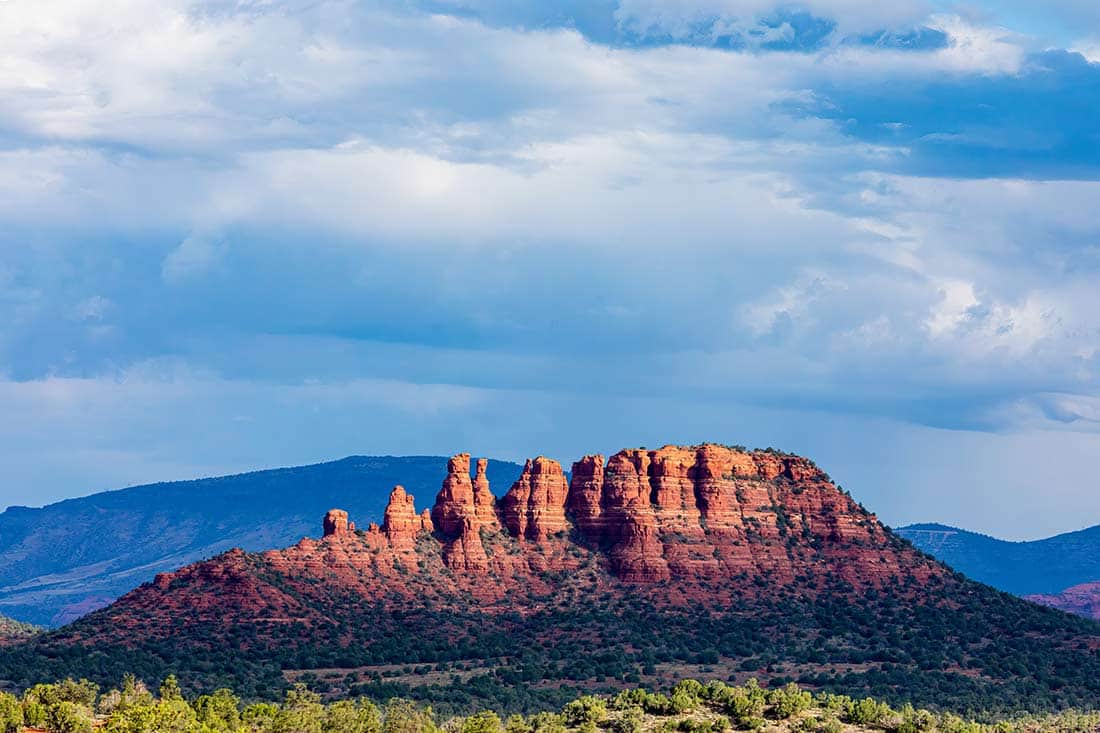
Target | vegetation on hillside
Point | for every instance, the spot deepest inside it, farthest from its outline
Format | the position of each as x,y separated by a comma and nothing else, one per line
963,647
689,707
10,629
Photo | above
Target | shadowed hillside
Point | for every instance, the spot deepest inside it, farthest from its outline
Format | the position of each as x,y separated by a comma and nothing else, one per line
1023,568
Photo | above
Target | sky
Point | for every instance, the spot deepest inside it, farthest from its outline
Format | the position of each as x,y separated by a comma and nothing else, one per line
238,234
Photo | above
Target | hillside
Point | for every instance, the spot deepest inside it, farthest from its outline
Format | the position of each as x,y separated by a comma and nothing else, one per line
1044,566
66,559
1083,600
12,630
647,567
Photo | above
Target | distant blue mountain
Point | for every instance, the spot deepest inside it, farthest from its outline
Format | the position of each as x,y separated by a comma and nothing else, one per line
1023,568
69,558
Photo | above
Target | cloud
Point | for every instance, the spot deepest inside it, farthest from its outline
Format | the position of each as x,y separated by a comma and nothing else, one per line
194,257
862,213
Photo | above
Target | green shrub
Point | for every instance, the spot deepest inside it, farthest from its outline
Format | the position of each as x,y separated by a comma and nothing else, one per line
11,713
789,701
867,712
629,722
587,709
483,722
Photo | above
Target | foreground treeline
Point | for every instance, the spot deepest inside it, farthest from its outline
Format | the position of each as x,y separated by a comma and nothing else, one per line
690,707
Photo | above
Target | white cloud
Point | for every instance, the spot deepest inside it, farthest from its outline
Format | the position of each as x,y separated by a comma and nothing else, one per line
1089,48
682,18
195,256
415,214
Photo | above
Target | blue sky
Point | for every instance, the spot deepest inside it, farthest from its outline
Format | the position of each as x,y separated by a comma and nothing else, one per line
251,233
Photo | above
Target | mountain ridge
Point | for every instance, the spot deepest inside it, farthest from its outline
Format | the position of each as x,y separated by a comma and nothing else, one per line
1025,568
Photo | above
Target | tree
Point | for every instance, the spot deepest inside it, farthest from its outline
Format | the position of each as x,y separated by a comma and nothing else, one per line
301,712
219,711
483,722
345,716
587,709
518,724
170,689
68,717
11,713
404,716
259,717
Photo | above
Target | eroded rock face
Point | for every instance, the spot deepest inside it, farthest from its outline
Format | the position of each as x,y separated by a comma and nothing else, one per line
454,503
583,504
401,524
534,508
462,508
484,501
336,523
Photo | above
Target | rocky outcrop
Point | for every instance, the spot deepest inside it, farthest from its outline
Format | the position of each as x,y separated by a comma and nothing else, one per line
698,514
462,508
714,511
464,500
401,524
584,502
534,508
484,501
335,523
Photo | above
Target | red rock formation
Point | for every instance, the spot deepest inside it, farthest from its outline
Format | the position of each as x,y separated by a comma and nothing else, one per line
455,501
335,523
401,523
586,494
534,508
1083,600
460,511
462,498
484,501
630,519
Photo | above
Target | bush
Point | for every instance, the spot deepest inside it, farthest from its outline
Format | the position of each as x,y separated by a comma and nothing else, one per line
629,722
744,705
405,716
587,709
789,701
483,722
629,699
68,717
11,713
657,704
867,712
